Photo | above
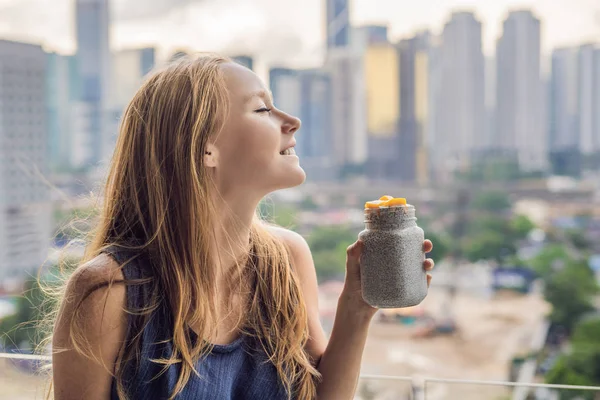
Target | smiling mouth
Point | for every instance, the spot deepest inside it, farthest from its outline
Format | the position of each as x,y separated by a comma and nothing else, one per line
288,152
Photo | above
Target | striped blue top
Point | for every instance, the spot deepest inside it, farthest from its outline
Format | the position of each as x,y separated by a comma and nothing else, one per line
234,371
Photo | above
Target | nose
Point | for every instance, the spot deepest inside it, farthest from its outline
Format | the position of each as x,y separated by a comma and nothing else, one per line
290,124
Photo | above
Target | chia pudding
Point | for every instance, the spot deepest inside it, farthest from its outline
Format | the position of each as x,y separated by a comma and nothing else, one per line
392,273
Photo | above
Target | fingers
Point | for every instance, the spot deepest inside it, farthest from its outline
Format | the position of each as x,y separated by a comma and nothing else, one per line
353,253
428,264
427,246
429,279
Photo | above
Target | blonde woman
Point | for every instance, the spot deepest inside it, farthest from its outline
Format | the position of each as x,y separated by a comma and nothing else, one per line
184,293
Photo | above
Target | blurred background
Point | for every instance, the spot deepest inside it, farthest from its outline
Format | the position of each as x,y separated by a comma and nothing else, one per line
484,114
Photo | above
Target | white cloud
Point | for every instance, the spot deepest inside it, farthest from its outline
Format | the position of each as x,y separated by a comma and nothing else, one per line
279,30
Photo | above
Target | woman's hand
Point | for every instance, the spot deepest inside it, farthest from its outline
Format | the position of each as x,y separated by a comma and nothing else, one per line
352,292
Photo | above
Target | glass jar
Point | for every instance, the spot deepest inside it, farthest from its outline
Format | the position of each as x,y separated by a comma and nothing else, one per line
392,273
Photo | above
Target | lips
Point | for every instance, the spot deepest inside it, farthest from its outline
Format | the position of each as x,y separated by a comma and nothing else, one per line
289,150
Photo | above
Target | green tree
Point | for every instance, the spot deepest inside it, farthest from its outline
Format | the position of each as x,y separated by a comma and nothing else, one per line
328,246
441,246
308,203
570,291
550,258
488,245
578,239
327,238
492,201
284,215
581,365
521,226
331,264
19,329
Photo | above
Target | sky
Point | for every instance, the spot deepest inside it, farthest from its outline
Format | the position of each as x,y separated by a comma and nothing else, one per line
286,32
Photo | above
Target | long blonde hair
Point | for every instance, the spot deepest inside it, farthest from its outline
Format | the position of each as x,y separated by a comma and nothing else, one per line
157,199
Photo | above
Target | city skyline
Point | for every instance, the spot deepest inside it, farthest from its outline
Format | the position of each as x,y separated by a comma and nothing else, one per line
210,25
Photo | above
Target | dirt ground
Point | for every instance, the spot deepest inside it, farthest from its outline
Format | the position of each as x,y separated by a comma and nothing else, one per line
490,332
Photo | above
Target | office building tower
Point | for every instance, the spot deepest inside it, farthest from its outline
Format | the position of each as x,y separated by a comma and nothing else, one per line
363,36
520,130
90,141
62,88
589,99
461,109
25,210
307,95
348,107
129,67
246,61
564,140
382,102
337,23
414,108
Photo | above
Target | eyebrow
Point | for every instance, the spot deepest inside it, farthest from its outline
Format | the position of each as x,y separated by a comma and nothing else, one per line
264,94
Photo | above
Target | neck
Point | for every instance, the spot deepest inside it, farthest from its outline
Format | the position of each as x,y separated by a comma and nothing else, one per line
232,232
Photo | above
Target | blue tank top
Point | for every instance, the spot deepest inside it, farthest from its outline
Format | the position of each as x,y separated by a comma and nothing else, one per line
234,371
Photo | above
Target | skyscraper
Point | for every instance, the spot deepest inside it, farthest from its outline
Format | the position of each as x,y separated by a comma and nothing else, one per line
520,131
337,23
93,60
589,99
363,36
306,94
414,109
24,199
348,111
564,140
129,69
246,61
461,108
61,91
382,104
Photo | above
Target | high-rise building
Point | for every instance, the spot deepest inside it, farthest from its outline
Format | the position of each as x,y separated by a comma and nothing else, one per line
564,88
564,112
520,130
382,102
589,99
61,90
129,69
414,108
363,36
306,94
337,23
93,61
382,89
461,109
24,197
348,107
246,61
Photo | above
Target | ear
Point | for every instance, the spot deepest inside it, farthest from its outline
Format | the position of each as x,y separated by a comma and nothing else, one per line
210,156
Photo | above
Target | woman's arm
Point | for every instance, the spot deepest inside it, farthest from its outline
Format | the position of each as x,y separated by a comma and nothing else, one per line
338,360
103,321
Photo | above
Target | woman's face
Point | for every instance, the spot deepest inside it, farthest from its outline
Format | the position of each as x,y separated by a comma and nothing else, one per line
249,155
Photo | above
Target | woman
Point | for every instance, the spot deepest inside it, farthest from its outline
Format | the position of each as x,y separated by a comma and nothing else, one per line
184,292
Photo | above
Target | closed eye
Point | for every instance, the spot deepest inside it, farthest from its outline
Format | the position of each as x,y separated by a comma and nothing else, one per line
264,109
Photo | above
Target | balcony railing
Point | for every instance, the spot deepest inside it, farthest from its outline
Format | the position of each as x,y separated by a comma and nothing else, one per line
384,387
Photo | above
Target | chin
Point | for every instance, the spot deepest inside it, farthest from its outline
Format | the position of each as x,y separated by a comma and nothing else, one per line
293,178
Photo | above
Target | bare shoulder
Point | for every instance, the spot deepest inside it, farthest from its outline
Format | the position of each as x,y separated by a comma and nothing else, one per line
94,293
297,245
93,312
101,269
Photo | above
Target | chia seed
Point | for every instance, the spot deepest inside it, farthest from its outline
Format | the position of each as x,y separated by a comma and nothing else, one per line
392,274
